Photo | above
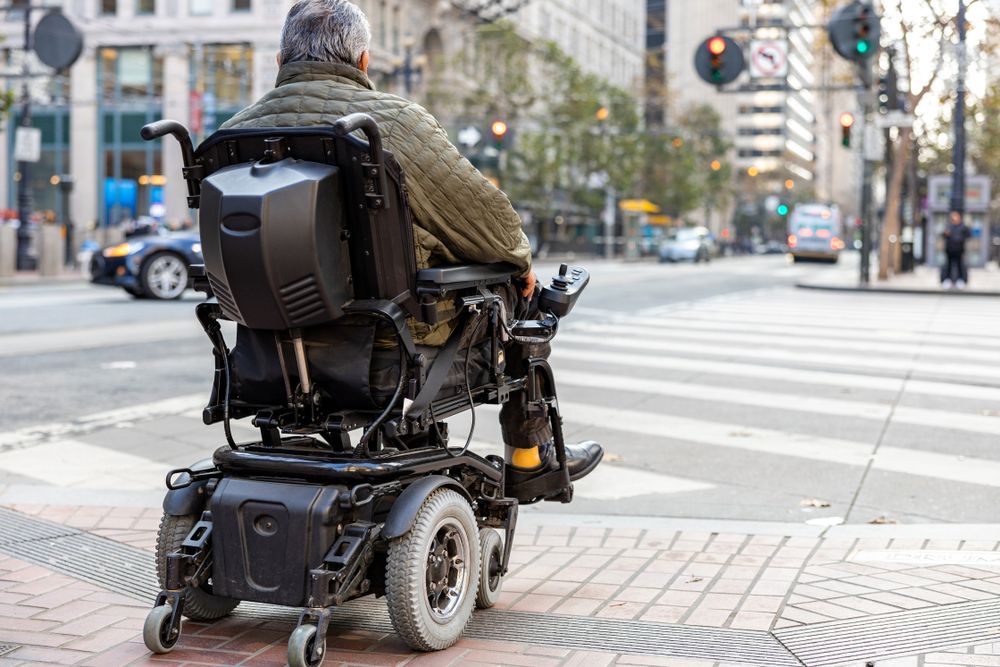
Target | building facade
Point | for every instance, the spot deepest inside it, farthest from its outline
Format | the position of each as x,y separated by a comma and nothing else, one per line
606,37
781,126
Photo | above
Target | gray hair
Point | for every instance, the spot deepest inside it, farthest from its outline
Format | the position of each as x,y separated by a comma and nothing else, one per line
325,31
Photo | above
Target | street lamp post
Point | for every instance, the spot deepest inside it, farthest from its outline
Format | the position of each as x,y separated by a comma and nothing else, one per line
24,199
958,157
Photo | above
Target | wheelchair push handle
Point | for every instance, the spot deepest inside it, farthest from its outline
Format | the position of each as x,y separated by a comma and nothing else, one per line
365,123
162,128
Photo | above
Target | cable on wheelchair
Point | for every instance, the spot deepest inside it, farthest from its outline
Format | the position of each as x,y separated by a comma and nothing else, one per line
225,402
362,447
468,387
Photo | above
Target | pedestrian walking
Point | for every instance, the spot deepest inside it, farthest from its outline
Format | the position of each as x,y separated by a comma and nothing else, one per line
954,272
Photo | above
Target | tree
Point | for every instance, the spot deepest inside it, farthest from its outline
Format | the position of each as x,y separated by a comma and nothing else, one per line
686,167
572,134
923,32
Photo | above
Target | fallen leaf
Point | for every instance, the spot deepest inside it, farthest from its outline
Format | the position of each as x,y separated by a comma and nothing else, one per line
618,604
882,520
813,502
613,458
693,580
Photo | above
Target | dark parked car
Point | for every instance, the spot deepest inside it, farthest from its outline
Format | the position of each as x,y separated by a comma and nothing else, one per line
153,266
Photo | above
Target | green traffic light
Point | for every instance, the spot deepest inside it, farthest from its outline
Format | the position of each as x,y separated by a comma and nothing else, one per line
782,209
862,47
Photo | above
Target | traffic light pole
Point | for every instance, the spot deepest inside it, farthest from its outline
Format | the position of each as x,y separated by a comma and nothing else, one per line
957,204
867,173
24,199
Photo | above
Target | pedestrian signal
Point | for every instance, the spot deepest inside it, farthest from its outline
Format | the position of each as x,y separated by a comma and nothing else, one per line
855,30
499,131
719,60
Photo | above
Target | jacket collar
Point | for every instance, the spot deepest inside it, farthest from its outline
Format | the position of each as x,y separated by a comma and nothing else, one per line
313,71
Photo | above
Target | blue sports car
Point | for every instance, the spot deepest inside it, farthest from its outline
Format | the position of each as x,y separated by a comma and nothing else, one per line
153,266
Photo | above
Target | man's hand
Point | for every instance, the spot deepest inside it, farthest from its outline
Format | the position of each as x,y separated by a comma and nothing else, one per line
529,282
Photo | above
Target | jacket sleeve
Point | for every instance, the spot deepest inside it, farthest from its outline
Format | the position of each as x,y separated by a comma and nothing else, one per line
451,199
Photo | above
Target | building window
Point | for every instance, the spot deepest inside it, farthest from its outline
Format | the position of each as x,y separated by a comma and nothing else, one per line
109,7
200,7
241,5
145,6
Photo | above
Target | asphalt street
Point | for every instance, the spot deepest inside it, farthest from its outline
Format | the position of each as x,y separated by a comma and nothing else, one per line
719,391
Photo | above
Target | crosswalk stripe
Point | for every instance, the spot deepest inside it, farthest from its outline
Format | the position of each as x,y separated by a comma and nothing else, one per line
787,357
790,331
718,396
39,342
829,378
833,321
766,441
779,341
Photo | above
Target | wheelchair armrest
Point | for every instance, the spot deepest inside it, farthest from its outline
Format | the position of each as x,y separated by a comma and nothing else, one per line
443,279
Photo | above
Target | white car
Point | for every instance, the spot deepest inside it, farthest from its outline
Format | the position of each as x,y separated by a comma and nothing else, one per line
688,244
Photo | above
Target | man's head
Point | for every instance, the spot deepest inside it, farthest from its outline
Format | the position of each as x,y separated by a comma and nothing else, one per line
332,31
955,217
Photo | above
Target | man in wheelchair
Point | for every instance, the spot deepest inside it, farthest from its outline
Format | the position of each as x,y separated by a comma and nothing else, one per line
459,216
376,288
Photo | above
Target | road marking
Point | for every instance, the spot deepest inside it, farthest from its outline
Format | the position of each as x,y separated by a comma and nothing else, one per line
805,331
614,482
950,467
813,342
34,435
69,463
787,357
829,378
71,340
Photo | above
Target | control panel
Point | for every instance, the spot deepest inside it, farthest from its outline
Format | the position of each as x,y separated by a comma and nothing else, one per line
561,294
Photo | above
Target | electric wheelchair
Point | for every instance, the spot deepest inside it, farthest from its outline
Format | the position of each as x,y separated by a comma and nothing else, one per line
308,246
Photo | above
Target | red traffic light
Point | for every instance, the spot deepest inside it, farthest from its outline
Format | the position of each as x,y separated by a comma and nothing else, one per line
499,129
717,46
846,119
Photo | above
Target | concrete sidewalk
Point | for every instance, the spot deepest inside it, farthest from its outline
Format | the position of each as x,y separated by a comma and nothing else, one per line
924,280
77,581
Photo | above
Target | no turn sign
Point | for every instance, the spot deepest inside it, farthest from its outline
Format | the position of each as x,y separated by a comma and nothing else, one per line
768,59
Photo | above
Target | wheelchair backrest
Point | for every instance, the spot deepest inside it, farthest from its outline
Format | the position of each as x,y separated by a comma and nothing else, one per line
296,223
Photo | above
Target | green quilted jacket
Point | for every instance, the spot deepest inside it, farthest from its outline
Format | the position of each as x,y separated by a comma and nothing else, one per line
459,216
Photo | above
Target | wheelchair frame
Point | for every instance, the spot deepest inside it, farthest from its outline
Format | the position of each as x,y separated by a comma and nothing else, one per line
370,493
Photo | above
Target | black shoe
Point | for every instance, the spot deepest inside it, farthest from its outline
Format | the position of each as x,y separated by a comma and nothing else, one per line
582,458
545,482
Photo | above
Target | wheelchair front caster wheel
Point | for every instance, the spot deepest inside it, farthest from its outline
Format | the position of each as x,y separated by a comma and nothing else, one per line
156,631
432,573
490,566
300,647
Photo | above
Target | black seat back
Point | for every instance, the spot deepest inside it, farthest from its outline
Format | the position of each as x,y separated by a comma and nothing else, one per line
298,222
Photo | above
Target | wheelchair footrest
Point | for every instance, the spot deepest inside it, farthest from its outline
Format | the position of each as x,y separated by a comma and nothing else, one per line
532,487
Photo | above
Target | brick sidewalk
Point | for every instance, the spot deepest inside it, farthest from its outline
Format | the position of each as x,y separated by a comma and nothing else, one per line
584,574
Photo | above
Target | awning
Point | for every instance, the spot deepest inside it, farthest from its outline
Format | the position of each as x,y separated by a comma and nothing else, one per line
638,206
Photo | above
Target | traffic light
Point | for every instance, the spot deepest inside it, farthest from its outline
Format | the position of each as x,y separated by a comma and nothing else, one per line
855,30
782,209
846,123
719,60
499,131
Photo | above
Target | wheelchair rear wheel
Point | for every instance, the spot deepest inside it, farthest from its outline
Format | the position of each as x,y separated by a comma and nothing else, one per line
199,603
432,573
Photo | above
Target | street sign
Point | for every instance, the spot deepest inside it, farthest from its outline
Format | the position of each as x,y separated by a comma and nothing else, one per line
874,143
894,118
28,144
57,42
469,136
768,59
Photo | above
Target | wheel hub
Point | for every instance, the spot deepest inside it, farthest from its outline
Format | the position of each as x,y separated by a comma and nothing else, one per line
447,571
